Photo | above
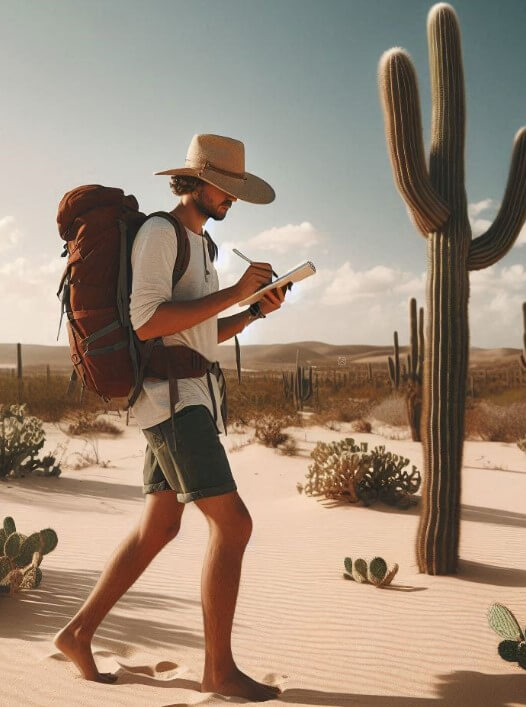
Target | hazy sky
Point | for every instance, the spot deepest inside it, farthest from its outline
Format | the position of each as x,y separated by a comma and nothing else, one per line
109,92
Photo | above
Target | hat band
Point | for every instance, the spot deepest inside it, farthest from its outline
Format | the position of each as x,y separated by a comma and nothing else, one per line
226,173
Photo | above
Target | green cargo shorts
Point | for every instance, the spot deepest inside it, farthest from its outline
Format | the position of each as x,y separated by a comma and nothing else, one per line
195,466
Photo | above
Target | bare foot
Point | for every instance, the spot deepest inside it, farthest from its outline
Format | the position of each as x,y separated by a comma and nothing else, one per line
78,649
238,684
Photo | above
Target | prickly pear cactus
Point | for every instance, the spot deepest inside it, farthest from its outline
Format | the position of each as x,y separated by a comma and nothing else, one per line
437,204
504,623
21,555
376,572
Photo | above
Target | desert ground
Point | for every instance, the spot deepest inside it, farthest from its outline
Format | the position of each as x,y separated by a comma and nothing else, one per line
299,623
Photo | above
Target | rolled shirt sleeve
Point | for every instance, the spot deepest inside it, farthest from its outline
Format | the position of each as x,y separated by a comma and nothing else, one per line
153,256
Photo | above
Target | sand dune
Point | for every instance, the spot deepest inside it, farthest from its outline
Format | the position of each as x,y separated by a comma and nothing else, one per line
298,624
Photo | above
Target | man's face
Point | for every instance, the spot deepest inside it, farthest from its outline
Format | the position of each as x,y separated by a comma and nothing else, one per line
213,202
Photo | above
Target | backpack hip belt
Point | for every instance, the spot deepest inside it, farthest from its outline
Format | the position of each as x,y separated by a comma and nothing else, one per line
173,362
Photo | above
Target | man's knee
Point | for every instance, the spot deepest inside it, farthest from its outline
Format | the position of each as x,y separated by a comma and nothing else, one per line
162,516
227,515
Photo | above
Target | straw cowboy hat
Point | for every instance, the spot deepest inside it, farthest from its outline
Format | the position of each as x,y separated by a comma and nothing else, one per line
220,161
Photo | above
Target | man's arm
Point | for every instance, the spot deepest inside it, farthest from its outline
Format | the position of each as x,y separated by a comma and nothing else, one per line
230,326
170,317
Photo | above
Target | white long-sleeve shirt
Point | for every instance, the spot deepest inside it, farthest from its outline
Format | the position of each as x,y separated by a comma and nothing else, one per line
152,259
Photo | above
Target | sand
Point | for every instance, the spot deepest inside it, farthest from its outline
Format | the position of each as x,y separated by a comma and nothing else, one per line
298,623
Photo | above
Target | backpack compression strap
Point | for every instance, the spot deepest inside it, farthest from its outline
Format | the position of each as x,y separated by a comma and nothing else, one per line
212,252
181,263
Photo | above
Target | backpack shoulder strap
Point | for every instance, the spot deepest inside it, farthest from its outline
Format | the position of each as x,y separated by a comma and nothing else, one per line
183,245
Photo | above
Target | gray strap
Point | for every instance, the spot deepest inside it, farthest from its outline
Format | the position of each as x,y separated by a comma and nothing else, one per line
212,395
101,332
107,349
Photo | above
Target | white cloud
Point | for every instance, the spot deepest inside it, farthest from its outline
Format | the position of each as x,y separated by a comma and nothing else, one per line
348,285
9,234
283,239
478,207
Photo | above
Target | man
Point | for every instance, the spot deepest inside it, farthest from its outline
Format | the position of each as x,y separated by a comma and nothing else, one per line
194,465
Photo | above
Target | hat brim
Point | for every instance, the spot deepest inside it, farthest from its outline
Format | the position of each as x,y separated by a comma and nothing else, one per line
251,188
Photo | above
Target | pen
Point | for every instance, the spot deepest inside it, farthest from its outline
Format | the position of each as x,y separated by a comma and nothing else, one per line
238,252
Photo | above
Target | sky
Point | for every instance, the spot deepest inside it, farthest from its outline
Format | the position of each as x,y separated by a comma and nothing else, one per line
108,92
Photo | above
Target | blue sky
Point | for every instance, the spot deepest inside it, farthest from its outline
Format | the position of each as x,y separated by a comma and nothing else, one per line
109,92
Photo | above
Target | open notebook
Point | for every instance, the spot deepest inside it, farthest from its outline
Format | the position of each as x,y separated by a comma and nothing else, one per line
299,272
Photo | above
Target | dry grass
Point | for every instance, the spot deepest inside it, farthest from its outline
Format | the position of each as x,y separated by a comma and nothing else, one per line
391,410
46,399
495,423
89,456
289,447
361,425
88,424
501,416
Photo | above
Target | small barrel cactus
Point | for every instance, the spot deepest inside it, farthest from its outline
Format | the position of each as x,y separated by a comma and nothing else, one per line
504,623
21,556
376,572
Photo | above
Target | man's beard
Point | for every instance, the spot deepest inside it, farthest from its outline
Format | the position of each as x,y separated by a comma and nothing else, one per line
205,209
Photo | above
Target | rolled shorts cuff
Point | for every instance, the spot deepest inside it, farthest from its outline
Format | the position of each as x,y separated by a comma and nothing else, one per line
203,493
152,488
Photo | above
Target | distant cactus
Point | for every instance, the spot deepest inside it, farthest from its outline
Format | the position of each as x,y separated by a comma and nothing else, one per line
345,469
437,202
412,375
298,385
21,556
376,572
504,623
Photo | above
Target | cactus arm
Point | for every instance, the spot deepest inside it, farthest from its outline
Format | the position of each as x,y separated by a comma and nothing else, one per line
490,247
448,116
403,128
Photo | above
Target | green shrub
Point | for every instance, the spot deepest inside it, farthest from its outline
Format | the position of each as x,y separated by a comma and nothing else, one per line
344,469
21,438
268,430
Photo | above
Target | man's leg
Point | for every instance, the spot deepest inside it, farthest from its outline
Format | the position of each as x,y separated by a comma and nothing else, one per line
159,524
230,529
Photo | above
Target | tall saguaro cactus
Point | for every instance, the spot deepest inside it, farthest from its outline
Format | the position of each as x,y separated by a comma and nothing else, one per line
437,203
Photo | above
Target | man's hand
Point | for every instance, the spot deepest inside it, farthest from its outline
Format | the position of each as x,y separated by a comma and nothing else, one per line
272,299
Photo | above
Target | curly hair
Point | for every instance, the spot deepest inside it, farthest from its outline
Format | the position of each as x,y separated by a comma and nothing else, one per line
181,184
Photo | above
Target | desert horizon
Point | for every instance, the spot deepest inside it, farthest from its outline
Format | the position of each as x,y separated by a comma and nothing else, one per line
261,356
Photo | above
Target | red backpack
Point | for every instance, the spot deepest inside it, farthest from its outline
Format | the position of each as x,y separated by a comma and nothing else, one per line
99,225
